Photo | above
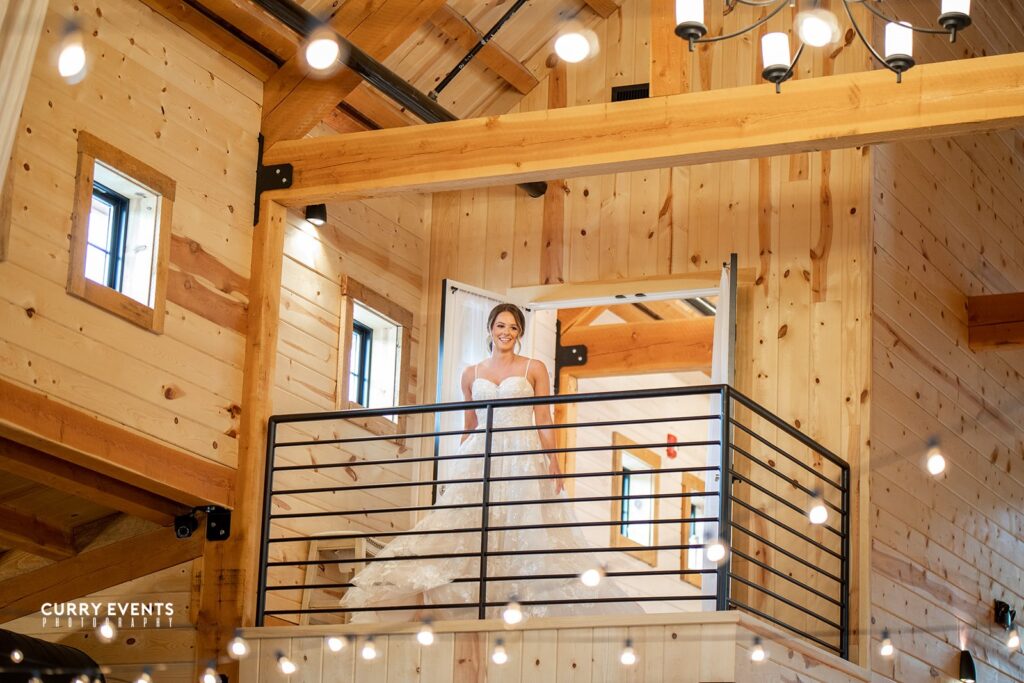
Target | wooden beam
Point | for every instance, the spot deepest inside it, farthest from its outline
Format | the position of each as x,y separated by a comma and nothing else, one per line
670,56
491,55
640,348
995,321
230,568
81,482
630,313
29,533
294,102
946,98
258,24
215,36
552,257
571,317
40,422
96,570
597,292
605,8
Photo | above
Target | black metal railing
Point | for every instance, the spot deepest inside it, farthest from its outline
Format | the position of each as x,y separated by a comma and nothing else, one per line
333,486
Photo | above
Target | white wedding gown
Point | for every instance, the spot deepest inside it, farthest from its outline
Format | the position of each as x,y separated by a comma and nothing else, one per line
429,582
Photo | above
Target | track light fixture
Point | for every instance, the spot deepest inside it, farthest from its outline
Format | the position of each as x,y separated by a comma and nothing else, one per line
967,671
316,214
1005,617
322,51
819,27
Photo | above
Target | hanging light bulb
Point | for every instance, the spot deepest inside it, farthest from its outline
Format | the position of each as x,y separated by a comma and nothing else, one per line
322,51
80,678
71,54
1013,640
818,514
144,677
35,678
592,577
335,644
956,16
369,651
513,612
886,649
285,665
17,656
238,647
425,636
628,656
899,47
935,461
106,631
715,550
817,27
757,653
210,674
690,20
499,656
572,47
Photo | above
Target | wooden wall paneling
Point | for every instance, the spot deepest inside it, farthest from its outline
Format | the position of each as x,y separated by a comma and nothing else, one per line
437,664
403,659
540,655
575,656
472,659
643,223
500,237
513,670
670,57
472,236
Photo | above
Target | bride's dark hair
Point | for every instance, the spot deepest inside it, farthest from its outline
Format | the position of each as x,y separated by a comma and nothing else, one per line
505,308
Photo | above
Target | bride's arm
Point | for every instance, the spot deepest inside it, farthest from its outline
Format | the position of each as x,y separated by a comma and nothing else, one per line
467,393
542,416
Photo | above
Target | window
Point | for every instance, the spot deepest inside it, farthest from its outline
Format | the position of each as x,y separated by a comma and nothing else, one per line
692,508
374,354
635,513
120,233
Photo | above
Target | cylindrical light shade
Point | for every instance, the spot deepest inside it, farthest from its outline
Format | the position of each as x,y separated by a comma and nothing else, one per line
960,6
316,214
689,11
899,39
775,50
967,672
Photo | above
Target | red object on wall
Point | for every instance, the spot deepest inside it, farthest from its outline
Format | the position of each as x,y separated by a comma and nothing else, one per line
670,451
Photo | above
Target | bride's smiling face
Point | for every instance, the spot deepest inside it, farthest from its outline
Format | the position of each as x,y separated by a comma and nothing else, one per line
505,332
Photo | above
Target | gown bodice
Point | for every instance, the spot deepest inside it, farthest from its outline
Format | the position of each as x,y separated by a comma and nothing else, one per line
516,386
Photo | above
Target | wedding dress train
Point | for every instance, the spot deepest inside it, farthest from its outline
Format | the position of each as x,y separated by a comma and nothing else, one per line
431,581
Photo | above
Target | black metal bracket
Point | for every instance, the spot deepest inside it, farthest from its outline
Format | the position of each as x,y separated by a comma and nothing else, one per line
566,356
274,177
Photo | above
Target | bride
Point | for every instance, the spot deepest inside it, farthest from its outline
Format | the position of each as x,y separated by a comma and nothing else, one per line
431,586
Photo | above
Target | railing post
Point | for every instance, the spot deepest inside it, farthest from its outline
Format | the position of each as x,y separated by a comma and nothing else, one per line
725,502
485,499
268,488
844,588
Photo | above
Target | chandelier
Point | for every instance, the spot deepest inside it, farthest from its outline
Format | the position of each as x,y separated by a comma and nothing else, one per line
818,27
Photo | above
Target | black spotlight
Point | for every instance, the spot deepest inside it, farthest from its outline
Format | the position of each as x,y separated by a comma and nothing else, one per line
967,672
186,525
1004,615
316,214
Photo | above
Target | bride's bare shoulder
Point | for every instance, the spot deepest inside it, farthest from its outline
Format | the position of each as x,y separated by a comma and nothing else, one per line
533,365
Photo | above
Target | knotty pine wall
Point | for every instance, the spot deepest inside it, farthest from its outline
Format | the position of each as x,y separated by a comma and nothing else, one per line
948,223
160,95
801,222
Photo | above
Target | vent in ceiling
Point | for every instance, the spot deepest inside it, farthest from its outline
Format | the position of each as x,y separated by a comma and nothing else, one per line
640,91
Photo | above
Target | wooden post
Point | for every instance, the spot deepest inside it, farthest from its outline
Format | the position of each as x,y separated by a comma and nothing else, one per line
21,23
553,227
670,57
228,592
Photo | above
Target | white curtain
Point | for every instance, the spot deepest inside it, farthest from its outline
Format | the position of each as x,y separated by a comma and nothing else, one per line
464,343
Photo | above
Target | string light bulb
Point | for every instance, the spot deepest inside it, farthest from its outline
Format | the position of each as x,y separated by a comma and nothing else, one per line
35,678
1013,640
715,550
335,644
935,461
425,636
818,514
17,656
322,50
285,665
144,677
369,651
886,649
210,674
592,577
238,647
106,631
628,656
499,656
817,27
71,55
757,653
513,612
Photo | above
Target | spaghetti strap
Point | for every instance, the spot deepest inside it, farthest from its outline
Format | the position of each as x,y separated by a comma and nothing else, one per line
527,373
475,368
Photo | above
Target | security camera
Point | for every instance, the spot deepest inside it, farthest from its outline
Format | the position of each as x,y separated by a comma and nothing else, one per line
186,525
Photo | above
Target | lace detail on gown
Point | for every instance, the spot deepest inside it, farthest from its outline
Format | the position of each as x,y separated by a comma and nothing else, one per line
431,581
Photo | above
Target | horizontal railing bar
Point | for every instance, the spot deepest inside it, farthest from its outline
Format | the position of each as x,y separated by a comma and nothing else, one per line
776,497
490,553
633,394
779,622
515,527
376,437
458,506
788,528
524,477
787,553
787,577
607,423
789,480
789,429
788,456
786,601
